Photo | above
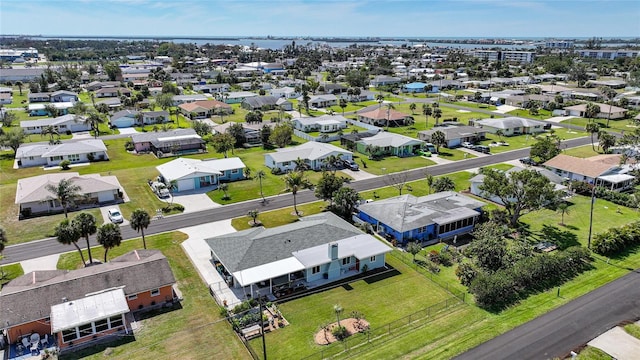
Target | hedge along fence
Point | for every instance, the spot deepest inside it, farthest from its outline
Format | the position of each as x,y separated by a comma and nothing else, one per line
618,198
502,288
616,240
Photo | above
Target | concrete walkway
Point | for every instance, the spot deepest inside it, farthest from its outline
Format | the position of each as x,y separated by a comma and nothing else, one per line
618,343
358,175
559,119
200,255
437,159
193,201
44,263
503,109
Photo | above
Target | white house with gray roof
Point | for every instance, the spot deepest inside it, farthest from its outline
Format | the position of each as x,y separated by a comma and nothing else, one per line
323,124
62,124
44,154
386,143
426,219
190,174
317,249
313,153
511,125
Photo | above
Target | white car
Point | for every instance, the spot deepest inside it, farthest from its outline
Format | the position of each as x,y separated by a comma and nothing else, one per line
115,216
467,145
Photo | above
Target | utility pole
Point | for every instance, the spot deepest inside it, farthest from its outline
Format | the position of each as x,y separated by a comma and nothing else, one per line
593,200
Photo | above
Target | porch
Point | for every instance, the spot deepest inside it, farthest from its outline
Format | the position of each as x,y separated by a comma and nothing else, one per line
30,346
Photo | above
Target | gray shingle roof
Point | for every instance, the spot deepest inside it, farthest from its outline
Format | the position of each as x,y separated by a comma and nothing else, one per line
254,247
30,297
257,102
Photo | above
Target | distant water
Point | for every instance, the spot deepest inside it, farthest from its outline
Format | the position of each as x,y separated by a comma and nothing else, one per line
273,44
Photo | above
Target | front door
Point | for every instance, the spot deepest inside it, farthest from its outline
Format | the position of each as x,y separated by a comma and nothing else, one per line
357,264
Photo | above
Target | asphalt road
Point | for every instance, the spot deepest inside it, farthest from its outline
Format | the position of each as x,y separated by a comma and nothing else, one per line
557,333
45,247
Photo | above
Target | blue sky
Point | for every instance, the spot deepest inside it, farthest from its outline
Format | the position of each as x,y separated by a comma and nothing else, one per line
423,18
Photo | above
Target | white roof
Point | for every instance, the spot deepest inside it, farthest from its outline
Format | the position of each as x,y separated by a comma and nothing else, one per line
321,120
310,150
179,137
361,246
383,139
35,188
95,307
57,105
616,178
509,122
268,271
66,148
183,167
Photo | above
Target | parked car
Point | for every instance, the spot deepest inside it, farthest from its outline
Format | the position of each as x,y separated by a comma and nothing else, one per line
467,145
351,165
528,161
115,216
430,148
482,149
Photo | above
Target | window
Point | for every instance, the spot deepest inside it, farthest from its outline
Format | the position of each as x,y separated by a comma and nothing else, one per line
155,292
69,335
74,157
422,230
372,259
315,269
132,297
346,261
115,321
101,325
56,158
234,171
86,330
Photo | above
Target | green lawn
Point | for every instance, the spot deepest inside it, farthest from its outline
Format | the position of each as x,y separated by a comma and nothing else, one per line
420,124
581,151
10,272
633,330
280,217
194,331
592,353
618,125
471,105
454,154
391,164
19,101
306,315
351,106
542,114
522,141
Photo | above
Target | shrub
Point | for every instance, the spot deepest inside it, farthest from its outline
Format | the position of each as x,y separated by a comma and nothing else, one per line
129,145
466,273
64,164
340,332
91,157
615,240
276,171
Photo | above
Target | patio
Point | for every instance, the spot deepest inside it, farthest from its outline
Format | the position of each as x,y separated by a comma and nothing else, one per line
31,346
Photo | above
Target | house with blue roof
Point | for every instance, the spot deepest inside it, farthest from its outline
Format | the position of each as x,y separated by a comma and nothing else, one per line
414,87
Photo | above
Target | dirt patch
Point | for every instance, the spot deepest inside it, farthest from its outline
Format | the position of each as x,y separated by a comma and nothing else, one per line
324,336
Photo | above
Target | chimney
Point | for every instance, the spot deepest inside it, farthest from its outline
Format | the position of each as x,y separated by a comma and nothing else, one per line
333,251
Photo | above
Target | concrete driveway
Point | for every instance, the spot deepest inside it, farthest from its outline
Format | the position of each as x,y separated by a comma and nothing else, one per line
618,343
193,201
105,216
358,175
127,131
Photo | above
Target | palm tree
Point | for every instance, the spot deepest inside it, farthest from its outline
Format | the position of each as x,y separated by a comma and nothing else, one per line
412,107
295,181
338,310
379,99
331,162
438,138
591,110
500,134
51,110
592,128
300,165
85,223
437,113
389,107
51,131
139,221
253,214
426,111
66,192
3,240
109,236
19,85
261,175
429,179
606,141
563,208
608,93
343,104
68,234
95,119
444,183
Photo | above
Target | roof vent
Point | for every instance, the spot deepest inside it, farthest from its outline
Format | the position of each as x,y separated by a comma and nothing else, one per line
64,299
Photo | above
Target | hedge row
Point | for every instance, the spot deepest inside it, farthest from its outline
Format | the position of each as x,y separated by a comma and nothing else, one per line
615,197
616,240
530,275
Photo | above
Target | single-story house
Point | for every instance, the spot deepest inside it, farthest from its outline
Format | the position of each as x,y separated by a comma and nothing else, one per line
63,96
606,111
313,153
112,103
478,180
112,92
320,101
383,116
382,80
212,88
40,110
414,87
236,97
315,250
267,102
6,98
184,99
455,135
511,125
386,143
44,154
324,123
95,85
154,117
63,124
251,130
190,174
203,109
602,170
524,100
286,92
33,197
349,140
88,304
124,118
426,219
174,142
39,97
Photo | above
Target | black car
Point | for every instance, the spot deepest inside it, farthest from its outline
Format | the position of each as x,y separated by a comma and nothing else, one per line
351,165
528,161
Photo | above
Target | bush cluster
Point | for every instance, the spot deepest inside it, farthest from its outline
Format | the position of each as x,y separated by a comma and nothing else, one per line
529,275
616,240
615,197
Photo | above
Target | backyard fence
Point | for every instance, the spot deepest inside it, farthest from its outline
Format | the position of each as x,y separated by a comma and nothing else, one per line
381,334
363,125
320,138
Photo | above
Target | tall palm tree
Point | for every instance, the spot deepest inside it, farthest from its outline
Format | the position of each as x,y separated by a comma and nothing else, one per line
51,131
300,165
296,180
261,175
426,111
109,236
609,94
19,85
68,234
437,113
338,310
139,221
500,134
66,192
563,208
592,128
389,107
343,104
85,223
412,107
95,119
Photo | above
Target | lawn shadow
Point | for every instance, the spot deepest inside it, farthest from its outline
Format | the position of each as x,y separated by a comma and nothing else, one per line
108,342
347,287
562,238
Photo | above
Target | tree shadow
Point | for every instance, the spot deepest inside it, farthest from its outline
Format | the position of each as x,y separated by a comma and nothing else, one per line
562,238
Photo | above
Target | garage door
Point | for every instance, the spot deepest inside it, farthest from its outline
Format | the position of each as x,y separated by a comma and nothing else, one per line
187,184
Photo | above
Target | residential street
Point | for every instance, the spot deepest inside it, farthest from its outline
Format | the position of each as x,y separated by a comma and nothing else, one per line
35,249
566,328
